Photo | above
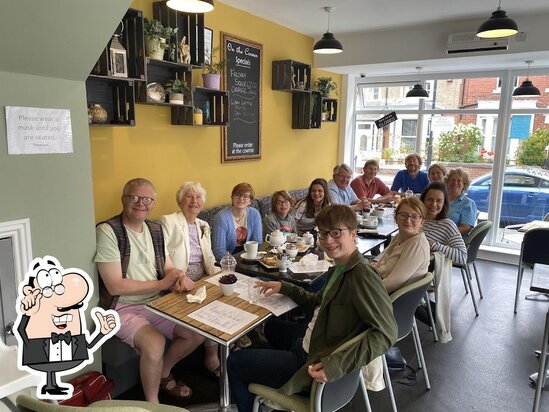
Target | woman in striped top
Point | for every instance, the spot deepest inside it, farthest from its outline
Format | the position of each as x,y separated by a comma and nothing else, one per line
442,234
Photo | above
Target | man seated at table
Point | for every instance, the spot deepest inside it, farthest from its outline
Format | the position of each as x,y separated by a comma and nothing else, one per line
411,178
134,269
340,191
368,185
354,300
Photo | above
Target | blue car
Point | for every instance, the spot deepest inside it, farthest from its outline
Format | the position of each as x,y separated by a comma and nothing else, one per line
525,194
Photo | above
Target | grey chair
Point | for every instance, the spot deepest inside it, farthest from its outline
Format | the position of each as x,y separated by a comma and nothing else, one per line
532,251
473,242
27,404
405,301
324,397
543,365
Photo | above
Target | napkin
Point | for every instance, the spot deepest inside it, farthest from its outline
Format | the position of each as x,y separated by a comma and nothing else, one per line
198,297
309,260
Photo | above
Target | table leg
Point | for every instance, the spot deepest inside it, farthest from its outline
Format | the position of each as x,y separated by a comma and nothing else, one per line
224,391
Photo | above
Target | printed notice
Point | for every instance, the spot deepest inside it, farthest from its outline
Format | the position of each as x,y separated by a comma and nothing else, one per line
35,130
223,317
277,304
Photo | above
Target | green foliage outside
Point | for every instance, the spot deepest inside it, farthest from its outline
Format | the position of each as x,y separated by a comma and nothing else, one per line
532,150
461,144
387,153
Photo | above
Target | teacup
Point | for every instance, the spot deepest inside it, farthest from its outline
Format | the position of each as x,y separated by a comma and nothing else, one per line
370,221
291,251
251,249
379,212
227,290
291,237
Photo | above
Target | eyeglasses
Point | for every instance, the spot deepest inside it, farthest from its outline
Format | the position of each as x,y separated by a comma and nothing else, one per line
345,177
282,202
244,196
334,233
134,199
406,216
47,292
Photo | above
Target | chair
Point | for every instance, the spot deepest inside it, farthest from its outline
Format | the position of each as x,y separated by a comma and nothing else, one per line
543,365
532,251
473,242
329,396
27,404
405,301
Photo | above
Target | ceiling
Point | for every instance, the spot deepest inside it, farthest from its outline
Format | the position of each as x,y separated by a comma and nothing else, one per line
356,16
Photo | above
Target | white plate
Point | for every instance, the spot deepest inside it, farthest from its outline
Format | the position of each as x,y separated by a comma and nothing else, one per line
368,227
259,256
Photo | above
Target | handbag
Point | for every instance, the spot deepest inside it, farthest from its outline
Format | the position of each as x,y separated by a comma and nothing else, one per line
89,388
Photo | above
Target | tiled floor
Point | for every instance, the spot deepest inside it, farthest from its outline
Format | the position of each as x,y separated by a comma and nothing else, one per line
484,368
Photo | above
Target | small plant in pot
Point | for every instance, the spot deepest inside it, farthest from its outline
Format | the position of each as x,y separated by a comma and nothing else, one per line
156,36
325,85
176,90
212,71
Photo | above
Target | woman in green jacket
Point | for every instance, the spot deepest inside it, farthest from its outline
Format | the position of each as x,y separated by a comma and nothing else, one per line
353,300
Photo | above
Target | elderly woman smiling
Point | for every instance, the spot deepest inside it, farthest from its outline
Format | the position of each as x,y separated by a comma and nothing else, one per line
188,242
463,210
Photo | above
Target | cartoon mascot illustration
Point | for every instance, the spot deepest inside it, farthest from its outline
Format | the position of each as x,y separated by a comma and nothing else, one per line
51,324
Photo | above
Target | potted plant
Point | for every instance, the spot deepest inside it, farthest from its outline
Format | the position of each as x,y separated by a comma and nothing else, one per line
212,71
325,85
155,38
176,90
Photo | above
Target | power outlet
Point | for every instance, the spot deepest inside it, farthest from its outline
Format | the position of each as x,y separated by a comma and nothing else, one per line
521,36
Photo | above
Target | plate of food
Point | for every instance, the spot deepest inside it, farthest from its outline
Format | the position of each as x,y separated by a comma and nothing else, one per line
269,261
259,256
155,93
302,248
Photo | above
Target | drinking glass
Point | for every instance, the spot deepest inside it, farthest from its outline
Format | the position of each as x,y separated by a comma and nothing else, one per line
253,291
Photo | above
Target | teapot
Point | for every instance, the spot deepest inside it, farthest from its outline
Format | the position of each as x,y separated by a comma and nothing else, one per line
308,238
276,238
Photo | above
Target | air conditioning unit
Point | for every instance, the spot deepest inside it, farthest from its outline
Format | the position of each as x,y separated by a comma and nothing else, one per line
469,43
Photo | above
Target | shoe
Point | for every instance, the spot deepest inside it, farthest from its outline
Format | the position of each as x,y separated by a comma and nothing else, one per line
534,378
174,392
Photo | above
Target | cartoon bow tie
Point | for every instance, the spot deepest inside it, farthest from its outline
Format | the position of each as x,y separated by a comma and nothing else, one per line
56,337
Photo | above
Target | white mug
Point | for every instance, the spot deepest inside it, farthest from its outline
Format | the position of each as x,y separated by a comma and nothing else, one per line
251,249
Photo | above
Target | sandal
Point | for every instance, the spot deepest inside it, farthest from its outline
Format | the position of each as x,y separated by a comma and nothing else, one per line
215,374
174,392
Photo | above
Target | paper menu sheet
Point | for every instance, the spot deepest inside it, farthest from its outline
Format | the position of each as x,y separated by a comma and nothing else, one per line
277,304
320,266
223,317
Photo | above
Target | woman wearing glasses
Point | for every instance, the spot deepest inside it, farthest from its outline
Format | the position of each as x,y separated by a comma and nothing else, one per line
236,224
280,218
406,259
307,208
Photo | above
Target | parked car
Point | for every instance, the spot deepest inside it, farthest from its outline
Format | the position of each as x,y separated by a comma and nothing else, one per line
525,194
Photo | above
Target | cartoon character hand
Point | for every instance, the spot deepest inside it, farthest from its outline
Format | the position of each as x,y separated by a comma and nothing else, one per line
30,304
107,322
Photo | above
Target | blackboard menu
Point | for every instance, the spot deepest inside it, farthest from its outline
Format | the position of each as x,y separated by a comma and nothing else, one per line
242,137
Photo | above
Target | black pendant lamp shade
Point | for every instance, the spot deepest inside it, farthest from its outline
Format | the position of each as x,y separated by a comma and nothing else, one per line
527,88
191,6
498,25
328,44
417,90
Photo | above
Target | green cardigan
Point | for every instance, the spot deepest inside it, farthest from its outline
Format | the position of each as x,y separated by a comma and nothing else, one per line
356,302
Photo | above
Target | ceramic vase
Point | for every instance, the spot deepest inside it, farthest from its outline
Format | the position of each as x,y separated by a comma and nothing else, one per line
97,114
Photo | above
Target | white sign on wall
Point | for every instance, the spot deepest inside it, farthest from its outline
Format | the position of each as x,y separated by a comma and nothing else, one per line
35,130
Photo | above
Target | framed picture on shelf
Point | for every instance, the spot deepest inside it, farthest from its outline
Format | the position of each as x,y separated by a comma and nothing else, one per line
208,45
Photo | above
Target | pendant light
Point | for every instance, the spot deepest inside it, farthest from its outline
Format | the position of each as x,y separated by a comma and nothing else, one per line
191,6
527,89
498,25
418,90
328,44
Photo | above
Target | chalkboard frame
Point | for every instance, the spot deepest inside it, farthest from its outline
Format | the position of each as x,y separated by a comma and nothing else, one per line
226,135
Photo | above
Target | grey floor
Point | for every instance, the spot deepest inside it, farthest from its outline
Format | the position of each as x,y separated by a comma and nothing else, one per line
484,368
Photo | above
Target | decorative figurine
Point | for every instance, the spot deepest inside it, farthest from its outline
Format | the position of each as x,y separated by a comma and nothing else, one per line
184,51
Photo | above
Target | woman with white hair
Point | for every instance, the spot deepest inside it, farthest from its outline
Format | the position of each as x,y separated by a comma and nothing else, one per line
187,239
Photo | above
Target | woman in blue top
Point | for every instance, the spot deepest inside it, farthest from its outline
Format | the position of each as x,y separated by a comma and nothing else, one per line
236,224
463,211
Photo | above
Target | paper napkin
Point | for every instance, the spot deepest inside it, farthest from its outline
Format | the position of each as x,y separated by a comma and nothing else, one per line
198,297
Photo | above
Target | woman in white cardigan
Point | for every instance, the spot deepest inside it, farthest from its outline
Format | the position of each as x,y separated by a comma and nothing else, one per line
189,245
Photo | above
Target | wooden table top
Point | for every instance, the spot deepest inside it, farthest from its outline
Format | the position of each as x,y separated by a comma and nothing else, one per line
175,306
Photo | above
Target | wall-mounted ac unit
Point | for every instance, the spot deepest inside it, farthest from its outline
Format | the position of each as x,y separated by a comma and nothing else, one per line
469,42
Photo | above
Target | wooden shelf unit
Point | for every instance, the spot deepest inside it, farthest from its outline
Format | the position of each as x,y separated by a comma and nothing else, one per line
289,74
331,109
218,101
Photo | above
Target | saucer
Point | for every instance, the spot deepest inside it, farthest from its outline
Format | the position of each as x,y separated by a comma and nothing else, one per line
258,256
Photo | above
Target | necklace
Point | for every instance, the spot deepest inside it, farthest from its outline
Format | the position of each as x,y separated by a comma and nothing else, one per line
239,220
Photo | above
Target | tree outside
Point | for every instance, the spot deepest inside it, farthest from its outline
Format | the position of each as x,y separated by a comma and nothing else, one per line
532,150
461,144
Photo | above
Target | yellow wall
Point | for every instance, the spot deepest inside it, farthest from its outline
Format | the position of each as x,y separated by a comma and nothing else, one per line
169,155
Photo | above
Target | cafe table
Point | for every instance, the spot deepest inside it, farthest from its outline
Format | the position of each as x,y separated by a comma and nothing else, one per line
175,307
369,240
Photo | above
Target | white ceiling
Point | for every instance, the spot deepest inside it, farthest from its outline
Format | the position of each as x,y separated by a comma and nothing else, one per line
355,16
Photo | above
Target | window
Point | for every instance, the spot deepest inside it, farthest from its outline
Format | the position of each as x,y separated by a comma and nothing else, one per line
408,135
517,180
